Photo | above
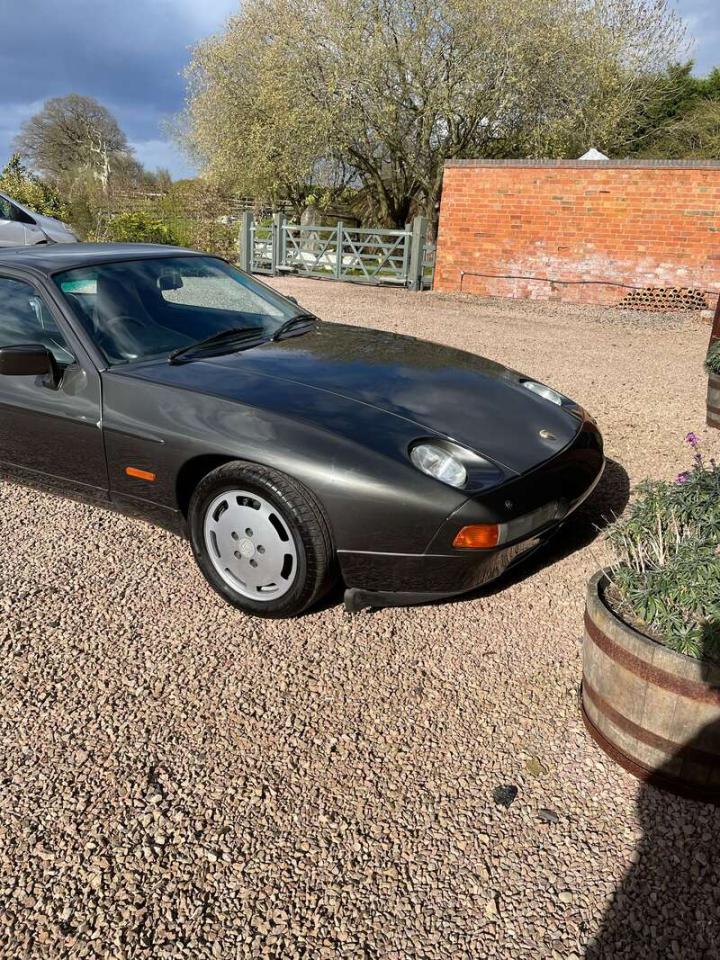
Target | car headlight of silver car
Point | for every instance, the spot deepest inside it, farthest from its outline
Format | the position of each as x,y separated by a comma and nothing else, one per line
546,392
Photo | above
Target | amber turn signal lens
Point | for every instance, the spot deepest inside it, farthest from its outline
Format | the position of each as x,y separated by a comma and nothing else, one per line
478,536
140,474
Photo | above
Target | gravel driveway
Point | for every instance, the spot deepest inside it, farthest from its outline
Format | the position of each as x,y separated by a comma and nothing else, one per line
179,780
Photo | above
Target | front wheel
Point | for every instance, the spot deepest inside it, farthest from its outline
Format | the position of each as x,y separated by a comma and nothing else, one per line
261,540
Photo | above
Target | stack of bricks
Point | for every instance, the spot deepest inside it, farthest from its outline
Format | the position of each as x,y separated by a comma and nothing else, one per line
662,299
580,231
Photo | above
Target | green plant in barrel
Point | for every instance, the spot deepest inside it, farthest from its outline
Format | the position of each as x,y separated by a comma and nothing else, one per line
665,576
712,360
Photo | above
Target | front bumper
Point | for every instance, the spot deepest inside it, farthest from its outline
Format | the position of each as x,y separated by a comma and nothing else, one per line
426,578
396,579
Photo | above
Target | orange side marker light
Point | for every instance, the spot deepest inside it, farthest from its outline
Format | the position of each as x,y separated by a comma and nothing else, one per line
140,474
478,536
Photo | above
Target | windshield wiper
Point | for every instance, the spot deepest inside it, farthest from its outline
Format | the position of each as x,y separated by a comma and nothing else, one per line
233,335
240,334
299,319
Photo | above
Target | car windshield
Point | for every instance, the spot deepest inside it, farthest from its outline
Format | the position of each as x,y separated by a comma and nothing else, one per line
144,309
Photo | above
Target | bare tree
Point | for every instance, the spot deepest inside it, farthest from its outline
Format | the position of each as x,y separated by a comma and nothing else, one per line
74,136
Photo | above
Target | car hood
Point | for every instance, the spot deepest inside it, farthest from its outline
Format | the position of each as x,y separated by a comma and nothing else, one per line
55,229
477,402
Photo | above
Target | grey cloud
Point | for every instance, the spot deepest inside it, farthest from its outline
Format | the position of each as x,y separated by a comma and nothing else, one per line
129,54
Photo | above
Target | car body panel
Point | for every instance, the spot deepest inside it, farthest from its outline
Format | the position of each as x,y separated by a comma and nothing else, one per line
567,480
55,230
53,437
337,408
290,427
55,433
29,227
447,392
46,260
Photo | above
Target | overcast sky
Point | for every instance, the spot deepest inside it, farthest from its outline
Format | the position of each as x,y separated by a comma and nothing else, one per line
130,54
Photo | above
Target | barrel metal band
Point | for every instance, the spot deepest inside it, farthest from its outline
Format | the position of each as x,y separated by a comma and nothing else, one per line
692,689
657,777
669,747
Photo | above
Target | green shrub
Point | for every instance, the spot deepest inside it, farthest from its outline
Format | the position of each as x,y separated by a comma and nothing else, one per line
138,227
26,188
212,236
209,236
712,361
665,576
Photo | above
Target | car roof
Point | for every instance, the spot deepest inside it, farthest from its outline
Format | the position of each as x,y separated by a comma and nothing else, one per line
51,257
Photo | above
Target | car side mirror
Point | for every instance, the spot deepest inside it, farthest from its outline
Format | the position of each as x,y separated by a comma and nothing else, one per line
28,360
293,300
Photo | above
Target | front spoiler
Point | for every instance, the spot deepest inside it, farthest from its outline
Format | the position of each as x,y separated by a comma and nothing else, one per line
356,599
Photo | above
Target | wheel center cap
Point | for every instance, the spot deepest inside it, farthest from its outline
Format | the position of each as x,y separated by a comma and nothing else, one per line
246,548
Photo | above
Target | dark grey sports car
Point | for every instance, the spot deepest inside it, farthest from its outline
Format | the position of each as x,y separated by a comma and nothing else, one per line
172,386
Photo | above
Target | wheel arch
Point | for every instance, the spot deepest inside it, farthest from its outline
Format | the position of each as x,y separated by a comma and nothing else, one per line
191,473
195,468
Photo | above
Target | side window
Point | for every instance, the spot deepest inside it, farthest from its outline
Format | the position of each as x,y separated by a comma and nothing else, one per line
24,318
7,210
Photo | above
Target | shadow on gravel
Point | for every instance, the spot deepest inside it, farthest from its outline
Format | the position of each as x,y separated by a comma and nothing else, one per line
667,905
608,501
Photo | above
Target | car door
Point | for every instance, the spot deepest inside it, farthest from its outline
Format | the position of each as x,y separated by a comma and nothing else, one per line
49,434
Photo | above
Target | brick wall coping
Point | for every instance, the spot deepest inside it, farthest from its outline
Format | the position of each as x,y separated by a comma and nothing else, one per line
592,164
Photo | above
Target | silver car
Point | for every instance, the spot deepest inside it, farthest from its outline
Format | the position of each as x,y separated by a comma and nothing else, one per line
22,227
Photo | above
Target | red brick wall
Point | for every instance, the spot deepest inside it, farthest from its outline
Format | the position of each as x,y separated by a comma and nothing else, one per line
646,224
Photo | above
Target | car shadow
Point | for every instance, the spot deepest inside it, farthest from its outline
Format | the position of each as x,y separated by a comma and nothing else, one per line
666,905
335,597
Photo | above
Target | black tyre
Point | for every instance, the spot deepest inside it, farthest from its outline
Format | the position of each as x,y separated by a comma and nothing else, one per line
261,539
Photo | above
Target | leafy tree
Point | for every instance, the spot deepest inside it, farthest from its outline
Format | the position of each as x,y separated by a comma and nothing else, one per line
21,185
378,94
693,136
685,123
78,146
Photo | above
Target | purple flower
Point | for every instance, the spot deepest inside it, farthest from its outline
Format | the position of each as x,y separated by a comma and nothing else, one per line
682,477
692,439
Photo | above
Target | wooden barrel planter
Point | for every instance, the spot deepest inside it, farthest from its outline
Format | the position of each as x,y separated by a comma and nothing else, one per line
654,711
713,401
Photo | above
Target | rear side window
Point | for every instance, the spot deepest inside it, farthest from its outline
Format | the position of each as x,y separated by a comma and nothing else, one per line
7,210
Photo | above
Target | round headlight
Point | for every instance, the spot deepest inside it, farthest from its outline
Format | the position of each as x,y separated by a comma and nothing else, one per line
437,462
542,391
